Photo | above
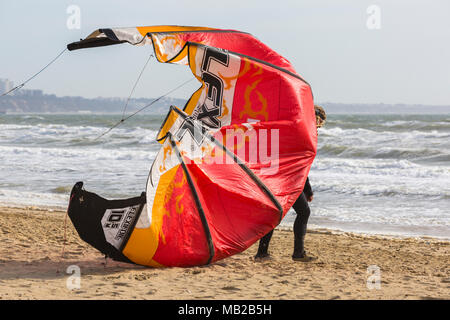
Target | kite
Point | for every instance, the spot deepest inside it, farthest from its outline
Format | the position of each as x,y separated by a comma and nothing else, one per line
232,161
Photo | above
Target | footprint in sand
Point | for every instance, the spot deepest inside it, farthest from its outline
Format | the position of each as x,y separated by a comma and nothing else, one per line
121,284
230,288
152,291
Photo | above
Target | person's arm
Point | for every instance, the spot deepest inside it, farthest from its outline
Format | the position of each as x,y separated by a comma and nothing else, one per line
308,190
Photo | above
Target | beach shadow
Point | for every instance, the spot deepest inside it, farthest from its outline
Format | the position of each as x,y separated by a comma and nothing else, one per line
48,269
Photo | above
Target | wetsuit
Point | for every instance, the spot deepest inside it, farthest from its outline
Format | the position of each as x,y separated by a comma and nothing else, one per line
301,207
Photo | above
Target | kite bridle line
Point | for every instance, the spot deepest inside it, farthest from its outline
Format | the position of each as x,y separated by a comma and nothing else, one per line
143,108
135,84
65,229
34,75
129,97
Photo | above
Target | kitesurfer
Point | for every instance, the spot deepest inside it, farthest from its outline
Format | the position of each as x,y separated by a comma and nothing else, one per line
302,210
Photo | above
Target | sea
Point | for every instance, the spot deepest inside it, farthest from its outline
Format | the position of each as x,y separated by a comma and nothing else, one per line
385,174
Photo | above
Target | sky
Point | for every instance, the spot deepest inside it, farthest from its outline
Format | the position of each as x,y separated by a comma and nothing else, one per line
349,51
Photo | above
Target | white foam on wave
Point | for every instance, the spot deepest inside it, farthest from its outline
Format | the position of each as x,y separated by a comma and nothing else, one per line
28,198
363,143
37,154
380,177
65,134
364,178
374,136
112,172
372,216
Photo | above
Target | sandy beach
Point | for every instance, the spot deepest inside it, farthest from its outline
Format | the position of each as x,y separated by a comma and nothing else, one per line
32,267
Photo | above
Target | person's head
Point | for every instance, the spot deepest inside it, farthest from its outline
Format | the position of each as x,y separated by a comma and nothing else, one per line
321,116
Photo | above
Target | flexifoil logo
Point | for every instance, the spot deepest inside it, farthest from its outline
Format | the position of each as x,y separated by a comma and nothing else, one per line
114,218
117,222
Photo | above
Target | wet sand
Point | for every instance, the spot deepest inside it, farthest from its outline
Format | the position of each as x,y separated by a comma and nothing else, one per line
32,267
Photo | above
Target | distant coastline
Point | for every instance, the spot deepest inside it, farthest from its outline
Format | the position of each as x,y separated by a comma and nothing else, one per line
383,108
35,101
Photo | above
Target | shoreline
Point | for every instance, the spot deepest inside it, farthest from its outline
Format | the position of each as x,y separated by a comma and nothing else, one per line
32,267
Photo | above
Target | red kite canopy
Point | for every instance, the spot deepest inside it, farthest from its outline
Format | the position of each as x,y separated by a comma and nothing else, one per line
232,161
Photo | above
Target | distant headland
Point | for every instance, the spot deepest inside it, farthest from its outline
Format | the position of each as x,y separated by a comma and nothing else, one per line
36,101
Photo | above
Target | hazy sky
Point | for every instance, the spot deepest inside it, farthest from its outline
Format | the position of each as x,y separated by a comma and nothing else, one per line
329,43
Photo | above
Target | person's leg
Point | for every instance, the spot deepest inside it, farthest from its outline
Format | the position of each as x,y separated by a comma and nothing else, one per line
264,245
303,211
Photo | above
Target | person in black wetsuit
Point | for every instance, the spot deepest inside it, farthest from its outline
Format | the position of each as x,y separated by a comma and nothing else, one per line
303,211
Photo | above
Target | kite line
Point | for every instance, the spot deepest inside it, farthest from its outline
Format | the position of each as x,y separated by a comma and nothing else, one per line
34,75
143,108
123,119
135,84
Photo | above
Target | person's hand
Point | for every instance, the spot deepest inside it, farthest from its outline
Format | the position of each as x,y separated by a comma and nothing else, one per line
310,198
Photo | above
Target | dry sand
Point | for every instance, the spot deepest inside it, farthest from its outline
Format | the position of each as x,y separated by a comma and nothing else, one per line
31,267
